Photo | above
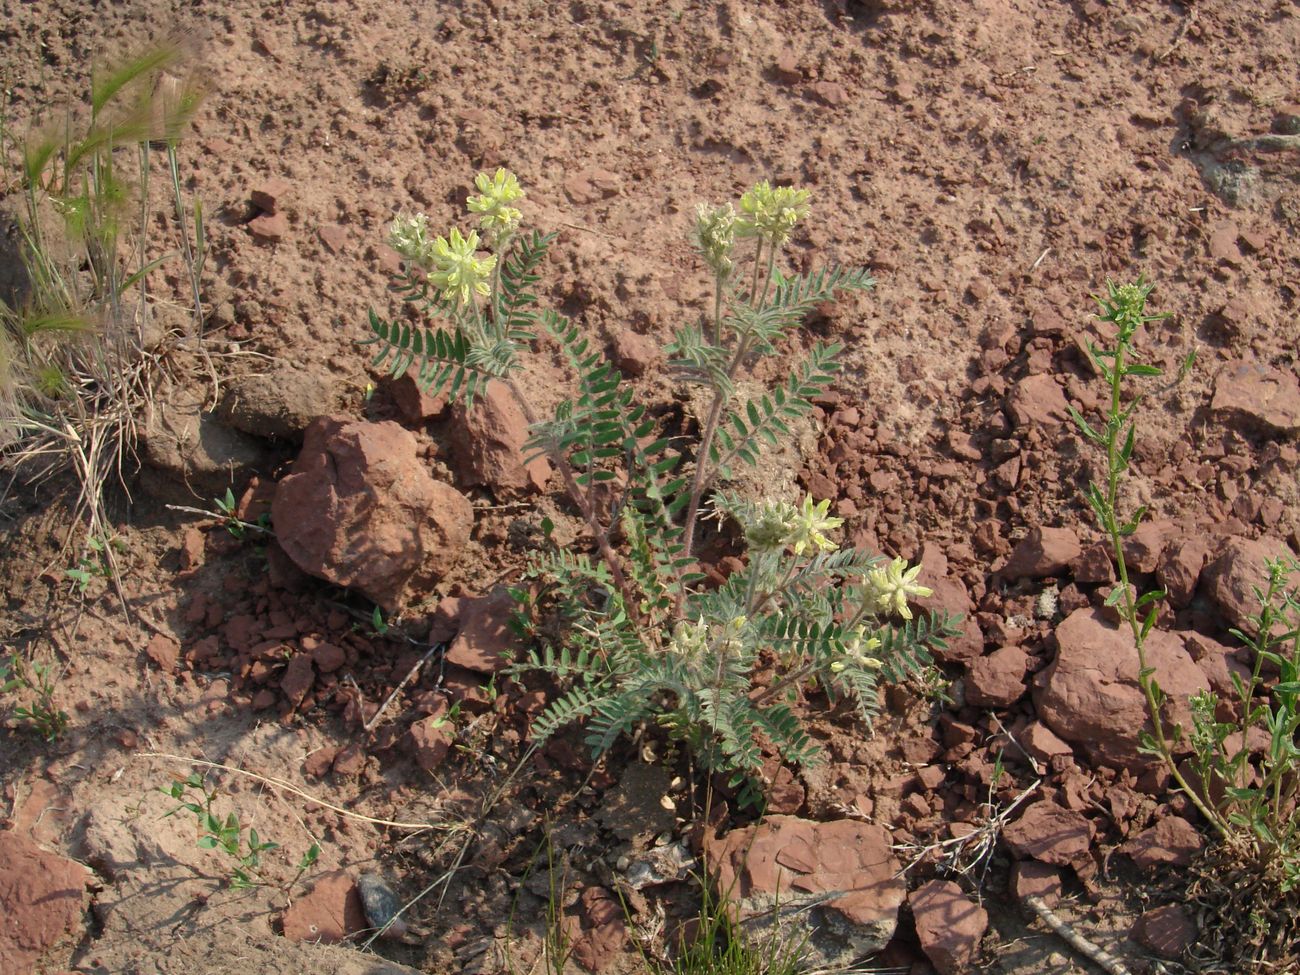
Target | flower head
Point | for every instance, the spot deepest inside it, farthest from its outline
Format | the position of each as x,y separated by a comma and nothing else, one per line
457,273
857,652
409,236
715,237
891,586
497,218
809,526
771,212
769,525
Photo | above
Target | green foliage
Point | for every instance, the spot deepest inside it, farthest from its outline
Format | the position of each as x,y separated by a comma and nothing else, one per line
629,633
37,679
76,360
95,564
720,947
1259,792
241,844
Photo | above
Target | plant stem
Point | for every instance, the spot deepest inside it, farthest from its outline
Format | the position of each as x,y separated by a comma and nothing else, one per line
579,498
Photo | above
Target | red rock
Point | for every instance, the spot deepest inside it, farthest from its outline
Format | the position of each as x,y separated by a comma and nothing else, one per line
485,642
359,509
795,861
1179,570
948,924
1217,663
269,195
298,679
1168,931
1043,552
1089,694
349,761
1259,394
318,763
430,743
1172,841
1094,566
592,186
601,931
270,227
998,680
41,900
951,597
1230,580
1037,401
192,549
487,445
328,658
1043,743
635,354
328,913
164,652
263,699
416,405
1223,244
334,237
1142,549
786,69
830,93
1030,878
1050,833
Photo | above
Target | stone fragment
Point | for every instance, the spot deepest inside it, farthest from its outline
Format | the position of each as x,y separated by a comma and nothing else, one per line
635,354
1142,549
792,862
270,194
381,904
1172,841
430,743
1231,579
360,510
164,652
832,94
298,679
949,925
1179,570
786,69
328,657
600,932
1259,394
328,913
1030,878
42,899
1223,243
270,227
484,643
334,237
416,405
1037,401
1043,552
1094,566
1051,834
1043,743
281,403
1168,931
1089,693
592,186
998,680
951,597
487,444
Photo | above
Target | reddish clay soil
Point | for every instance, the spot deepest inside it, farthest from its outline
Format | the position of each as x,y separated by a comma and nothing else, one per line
992,162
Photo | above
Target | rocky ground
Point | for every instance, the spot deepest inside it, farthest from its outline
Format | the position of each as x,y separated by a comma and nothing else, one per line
992,162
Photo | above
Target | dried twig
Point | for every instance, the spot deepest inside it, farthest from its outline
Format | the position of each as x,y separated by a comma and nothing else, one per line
369,726
1093,952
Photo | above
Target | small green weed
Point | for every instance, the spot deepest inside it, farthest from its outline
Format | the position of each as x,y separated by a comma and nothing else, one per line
42,715
241,844
719,946
95,564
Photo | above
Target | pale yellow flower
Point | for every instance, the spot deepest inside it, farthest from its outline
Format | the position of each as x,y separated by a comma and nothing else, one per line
892,585
771,212
457,272
715,237
809,526
857,652
497,218
409,236
769,526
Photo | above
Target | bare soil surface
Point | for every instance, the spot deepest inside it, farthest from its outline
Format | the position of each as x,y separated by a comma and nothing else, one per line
993,162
